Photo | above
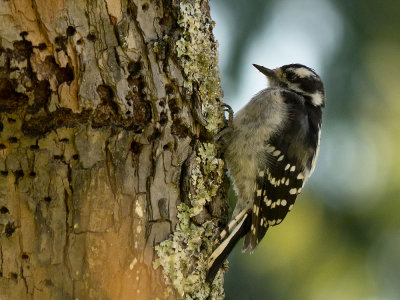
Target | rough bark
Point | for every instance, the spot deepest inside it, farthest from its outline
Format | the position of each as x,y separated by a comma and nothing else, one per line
107,112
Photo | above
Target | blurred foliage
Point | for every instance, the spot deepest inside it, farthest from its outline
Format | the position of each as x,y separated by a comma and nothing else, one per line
342,240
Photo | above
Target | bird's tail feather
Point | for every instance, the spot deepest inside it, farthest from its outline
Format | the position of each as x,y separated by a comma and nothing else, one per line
235,230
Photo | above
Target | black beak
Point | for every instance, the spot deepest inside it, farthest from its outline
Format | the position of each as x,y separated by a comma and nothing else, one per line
267,72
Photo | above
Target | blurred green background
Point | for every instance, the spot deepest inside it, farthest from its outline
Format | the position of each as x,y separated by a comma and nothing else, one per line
342,240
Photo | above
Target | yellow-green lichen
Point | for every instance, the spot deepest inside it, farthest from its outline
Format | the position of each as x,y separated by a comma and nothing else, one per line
198,53
184,257
206,177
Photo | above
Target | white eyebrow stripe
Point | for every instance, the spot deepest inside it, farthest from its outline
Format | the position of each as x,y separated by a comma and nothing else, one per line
303,72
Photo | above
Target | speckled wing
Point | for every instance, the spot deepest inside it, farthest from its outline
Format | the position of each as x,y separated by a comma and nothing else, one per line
282,174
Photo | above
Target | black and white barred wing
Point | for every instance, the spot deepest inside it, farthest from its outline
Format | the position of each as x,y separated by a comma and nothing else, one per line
277,190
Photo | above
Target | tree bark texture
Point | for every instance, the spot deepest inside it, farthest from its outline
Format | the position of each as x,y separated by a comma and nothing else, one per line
107,113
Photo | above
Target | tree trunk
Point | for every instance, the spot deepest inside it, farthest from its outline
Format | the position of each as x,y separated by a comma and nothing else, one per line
107,113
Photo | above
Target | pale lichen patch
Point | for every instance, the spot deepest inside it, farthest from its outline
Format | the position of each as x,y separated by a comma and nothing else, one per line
203,180
184,257
192,242
198,53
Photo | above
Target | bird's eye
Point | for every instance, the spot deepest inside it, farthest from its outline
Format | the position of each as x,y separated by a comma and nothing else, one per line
290,76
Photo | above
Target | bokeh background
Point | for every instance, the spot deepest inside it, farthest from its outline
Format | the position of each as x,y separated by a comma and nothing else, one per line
342,240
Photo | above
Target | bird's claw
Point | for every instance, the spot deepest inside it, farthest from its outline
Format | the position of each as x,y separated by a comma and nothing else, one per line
228,123
229,110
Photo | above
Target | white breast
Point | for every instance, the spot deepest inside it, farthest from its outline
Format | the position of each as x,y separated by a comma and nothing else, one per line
247,145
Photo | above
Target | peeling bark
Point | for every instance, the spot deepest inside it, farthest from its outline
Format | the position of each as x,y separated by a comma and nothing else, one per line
107,112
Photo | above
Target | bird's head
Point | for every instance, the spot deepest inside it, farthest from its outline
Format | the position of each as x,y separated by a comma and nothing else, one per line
298,78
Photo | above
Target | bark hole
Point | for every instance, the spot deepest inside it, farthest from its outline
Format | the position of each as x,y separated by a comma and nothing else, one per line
10,229
23,34
169,89
42,94
136,148
180,129
70,31
65,75
4,210
174,106
91,37
18,174
61,42
145,7
134,67
10,100
42,46
168,146
106,95
163,118
23,49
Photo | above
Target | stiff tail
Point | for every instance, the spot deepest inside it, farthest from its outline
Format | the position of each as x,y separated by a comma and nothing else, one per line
236,229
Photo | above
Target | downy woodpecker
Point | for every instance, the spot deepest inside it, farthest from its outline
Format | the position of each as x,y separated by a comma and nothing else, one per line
270,150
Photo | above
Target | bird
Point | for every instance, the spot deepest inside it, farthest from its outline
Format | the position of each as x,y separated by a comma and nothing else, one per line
270,148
